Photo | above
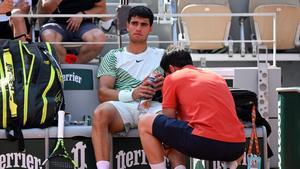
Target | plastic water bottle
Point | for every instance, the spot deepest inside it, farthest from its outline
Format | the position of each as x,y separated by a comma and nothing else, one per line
145,104
68,118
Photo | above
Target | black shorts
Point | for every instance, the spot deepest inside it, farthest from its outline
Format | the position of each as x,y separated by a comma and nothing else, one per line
69,36
6,31
178,135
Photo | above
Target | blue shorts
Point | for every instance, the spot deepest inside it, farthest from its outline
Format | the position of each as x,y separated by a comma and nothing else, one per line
69,36
178,135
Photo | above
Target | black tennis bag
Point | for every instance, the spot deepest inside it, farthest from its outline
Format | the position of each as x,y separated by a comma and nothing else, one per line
31,90
244,100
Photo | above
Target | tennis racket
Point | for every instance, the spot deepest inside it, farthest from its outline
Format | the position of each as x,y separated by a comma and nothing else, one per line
60,158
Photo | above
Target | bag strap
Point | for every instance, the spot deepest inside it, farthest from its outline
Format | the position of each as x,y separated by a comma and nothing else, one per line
17,133
253,138
27,37
17,123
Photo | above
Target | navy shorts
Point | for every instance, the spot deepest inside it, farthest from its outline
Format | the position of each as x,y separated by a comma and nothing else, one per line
178,135
69,36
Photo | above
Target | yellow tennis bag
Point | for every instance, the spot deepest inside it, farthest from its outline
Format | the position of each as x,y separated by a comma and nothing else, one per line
30,87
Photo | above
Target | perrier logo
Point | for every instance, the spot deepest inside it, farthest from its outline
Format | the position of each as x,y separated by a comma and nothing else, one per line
72,77
77,79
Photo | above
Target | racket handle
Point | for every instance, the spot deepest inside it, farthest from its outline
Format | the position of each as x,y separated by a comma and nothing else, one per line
61,120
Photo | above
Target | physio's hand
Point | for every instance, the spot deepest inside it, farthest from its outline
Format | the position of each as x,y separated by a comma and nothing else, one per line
74,23
6,6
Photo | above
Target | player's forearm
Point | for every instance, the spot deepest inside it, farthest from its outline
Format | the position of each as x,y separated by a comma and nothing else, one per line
106,94
49,6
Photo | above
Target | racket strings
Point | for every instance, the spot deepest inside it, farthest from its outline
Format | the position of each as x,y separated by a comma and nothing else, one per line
60,162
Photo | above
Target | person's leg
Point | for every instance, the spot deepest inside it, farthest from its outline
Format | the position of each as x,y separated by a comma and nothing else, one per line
54,33
178,135
6,6
169,131
90,51
151,145
106,120
19,24
176,158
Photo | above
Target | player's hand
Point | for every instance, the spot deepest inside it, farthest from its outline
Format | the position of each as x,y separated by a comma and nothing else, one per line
144,90
74,23
159,80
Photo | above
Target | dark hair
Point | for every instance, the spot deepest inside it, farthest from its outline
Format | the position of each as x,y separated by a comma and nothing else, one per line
175,56
141,11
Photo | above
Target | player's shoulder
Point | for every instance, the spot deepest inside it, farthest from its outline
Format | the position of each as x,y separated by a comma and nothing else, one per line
157,51
114,52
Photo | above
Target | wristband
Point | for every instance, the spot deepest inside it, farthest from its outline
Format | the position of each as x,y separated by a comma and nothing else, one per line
125,96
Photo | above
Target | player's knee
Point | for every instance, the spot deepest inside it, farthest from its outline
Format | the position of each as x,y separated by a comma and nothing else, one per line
144,123
101,116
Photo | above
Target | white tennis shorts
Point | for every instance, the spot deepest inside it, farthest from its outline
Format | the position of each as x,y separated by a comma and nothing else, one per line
130,114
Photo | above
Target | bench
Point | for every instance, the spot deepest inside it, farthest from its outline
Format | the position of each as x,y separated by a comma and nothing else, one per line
126,150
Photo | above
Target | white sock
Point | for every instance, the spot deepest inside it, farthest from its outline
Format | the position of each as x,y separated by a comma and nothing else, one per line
106,24
161,165
180,167
102,164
